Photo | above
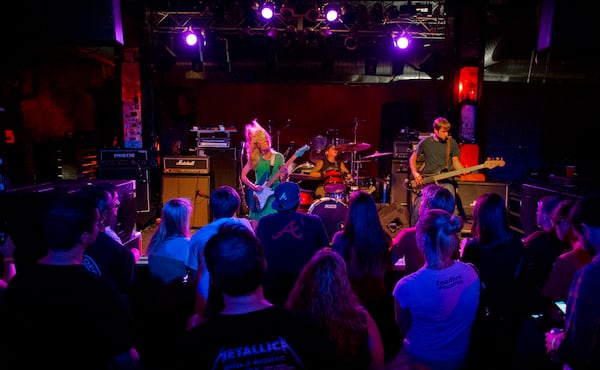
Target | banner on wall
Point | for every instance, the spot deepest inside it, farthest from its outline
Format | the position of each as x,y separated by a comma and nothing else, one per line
132,125
132,112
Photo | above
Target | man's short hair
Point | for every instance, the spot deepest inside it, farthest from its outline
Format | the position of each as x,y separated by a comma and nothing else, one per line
235,259
67,218
224,202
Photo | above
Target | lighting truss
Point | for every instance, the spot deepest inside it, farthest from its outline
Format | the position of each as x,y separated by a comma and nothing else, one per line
431,27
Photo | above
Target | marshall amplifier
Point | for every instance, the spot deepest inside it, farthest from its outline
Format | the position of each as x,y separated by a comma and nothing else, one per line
187,165
123,157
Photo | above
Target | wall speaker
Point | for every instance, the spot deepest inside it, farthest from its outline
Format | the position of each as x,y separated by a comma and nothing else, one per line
393,218
468,191
196,188
399,194
140,174
224,166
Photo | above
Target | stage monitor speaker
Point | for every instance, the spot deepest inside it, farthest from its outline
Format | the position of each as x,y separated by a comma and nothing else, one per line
393,218
469,191
224,166
399,194
140,174
194,187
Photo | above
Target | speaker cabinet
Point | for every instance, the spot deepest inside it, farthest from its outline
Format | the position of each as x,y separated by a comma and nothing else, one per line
224,166
398,194
194,187
140,174
468,191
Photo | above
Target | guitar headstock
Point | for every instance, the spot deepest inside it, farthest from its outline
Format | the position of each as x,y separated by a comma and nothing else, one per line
492,163
300,152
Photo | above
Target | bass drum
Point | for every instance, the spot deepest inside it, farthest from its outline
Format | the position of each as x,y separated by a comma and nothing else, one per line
332,212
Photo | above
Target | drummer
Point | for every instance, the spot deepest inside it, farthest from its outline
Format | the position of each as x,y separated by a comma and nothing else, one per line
329,163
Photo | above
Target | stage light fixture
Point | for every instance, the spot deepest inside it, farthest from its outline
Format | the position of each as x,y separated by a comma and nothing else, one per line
267,10
190,37
401,41
331,12
286,13
312,14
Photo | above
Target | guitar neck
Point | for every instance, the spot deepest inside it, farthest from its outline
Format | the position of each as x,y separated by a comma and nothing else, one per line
446,175
270,182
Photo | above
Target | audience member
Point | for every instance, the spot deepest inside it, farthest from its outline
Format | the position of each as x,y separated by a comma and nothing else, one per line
323,293
169,256
250,332
578,347
224,206
106,257
496,251
405,244
436,305
558,283
540,251
173,272
7,250
111,219
365,247
290,238
57,314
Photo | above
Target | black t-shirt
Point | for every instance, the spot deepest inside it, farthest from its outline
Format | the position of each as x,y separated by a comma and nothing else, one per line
63,317
272,338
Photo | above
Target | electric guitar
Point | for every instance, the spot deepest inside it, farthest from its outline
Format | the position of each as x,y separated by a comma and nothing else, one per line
257,200
489,164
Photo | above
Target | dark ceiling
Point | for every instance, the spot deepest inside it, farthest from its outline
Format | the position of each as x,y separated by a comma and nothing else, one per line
499,35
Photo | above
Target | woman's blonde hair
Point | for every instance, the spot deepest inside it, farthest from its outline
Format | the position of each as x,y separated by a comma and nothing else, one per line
255,134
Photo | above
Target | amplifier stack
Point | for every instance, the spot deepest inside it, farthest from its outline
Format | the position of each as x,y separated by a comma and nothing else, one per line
128,164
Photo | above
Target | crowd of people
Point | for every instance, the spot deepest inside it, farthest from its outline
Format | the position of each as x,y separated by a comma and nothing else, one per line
275,290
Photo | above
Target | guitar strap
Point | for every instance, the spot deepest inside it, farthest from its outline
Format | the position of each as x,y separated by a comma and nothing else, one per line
448,153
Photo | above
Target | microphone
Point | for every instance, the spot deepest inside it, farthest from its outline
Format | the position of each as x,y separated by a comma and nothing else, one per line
243,147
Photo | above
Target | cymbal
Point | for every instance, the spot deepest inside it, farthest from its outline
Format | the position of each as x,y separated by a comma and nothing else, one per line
353,147
376,155
302,177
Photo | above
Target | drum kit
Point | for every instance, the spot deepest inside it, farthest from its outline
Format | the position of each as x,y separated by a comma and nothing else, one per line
332,207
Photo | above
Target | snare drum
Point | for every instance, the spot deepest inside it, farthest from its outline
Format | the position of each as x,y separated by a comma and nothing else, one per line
334,182
332,212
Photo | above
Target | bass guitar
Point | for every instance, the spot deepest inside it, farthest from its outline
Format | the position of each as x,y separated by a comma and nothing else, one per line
489,164
257,200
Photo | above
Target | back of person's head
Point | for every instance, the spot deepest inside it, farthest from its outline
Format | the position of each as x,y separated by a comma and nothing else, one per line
437,197
174,221
235,260
323,292
67,218
364,232
441,122
546,205
286,197
561,211
322,284
584,213
559,218
100,195
491,223
437,235
224,202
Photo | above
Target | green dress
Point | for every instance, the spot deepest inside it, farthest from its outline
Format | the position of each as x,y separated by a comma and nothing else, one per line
263,173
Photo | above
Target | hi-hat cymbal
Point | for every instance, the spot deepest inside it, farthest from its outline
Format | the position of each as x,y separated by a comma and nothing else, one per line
353,147
376,155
